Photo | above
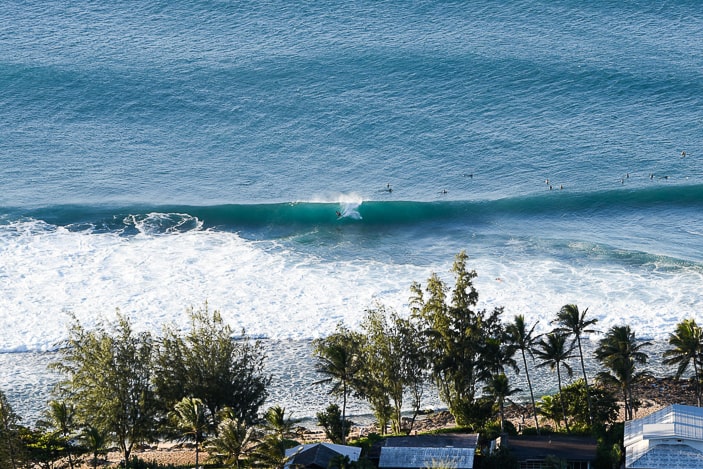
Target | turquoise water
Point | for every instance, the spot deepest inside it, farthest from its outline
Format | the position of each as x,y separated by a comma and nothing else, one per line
157,156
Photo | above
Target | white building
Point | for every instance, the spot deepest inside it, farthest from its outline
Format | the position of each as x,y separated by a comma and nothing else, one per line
670,438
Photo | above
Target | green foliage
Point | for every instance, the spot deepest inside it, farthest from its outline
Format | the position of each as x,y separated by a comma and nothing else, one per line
461,341
12,449
343,462
60,428
366,442
610,452
108,380
493,430
335,428
573,322
554,353
93,440
234,439
551,408
271,451
519,338
278,423
209,364
43,449
189,416
603,405
339,360
475,414
498,387
392,365
687,348
620,353
381,380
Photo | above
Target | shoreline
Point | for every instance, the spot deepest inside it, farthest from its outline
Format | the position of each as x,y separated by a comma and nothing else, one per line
655,393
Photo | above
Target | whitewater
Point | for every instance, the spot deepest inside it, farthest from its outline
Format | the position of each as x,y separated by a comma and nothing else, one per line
294,165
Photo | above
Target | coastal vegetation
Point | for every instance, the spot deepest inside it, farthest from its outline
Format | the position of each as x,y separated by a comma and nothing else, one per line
122,388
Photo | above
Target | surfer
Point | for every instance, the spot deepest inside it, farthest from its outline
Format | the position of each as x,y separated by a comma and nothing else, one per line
683,154
339,215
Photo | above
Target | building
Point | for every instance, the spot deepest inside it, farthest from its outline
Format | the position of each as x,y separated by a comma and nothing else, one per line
456,450
533,451
319,455
670,438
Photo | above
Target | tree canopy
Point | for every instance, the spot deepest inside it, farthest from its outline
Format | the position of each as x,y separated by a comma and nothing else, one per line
209,363
459,337
108,380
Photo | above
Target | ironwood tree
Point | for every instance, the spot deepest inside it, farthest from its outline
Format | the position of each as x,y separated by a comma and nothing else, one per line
212,363
459,338
108,373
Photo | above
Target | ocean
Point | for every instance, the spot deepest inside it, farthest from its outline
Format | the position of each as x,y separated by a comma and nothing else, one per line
296,163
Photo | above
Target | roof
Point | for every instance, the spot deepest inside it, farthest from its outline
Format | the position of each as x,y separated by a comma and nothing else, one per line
318,455
572,448
669,457
671,437
424,450
674,421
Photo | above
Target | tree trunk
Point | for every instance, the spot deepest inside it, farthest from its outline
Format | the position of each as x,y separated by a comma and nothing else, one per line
529,385
502,416
698,382
561,399
585,380
344,413
196,449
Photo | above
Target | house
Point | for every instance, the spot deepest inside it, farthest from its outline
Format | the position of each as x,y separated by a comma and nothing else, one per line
669,438
319,455
421,451
532,451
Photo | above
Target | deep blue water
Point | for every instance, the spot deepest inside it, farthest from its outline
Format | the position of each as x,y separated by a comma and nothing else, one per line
154,156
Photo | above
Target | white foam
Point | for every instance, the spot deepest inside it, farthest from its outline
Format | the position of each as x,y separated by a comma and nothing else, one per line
258,286
275,292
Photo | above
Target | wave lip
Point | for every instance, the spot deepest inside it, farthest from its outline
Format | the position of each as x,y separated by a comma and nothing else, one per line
232,217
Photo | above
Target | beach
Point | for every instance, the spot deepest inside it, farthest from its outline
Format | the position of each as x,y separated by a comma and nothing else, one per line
655,394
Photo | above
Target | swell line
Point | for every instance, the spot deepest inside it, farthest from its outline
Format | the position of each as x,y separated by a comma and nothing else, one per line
232,217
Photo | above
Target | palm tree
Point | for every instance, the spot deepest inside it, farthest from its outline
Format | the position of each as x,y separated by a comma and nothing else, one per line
620,352
234,437
189,415
499,388
687,348
338,359
550,408
522,339
554,352
573,322
94,440
276,421
61,418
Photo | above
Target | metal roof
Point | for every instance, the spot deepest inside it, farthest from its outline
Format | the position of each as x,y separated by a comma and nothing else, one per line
668,457
319,454
573,448
455,450
666,439
674,421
